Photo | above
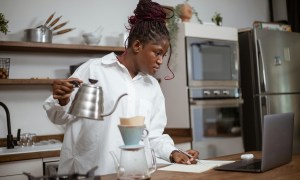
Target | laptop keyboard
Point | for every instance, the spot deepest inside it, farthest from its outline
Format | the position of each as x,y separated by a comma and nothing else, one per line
252,165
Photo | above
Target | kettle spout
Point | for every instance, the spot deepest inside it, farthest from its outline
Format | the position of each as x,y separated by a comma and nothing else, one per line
114,108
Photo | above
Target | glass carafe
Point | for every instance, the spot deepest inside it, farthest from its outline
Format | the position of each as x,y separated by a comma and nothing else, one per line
133,163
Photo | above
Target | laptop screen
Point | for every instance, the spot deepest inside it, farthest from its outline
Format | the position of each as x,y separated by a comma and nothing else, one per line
277,145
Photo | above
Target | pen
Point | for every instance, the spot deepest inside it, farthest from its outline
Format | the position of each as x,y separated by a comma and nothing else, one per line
190,156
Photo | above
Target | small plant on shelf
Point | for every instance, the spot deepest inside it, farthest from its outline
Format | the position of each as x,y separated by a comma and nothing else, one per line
3,24
217,19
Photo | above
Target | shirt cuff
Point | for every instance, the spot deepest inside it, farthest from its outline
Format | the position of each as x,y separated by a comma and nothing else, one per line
52,103
171,156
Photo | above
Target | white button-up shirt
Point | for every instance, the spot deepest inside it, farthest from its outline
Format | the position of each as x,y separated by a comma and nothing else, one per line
87,143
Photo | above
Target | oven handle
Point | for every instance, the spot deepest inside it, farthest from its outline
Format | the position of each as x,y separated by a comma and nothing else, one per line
217,103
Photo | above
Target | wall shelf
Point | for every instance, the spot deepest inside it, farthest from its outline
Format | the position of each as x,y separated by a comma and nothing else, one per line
19,46
56,48
26,81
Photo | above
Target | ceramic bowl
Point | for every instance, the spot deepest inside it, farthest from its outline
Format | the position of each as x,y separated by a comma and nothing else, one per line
91,39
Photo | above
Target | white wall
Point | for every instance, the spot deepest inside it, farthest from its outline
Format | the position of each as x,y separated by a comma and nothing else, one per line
87,15
25,102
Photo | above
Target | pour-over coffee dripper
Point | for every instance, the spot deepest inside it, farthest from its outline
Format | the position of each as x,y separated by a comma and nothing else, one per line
132,129
132,135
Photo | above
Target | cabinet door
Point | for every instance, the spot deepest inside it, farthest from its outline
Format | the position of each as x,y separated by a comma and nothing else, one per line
14,170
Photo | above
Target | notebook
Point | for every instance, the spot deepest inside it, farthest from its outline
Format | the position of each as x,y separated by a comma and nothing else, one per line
277,145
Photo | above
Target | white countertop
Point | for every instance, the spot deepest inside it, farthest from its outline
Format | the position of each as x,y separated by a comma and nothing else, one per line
38,147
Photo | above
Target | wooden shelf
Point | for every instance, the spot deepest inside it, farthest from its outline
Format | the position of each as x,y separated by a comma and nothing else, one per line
26,81
57,48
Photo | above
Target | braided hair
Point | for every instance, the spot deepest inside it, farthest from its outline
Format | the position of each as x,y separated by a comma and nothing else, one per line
149,24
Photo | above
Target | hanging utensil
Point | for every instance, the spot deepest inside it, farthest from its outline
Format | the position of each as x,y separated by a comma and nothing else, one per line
49,19
63,31
60,26
54,22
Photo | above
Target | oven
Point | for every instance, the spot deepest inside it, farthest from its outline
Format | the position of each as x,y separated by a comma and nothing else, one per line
214,94
215,115
215,112
212,62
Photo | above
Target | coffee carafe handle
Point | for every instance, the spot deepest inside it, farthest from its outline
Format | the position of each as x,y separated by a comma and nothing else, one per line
114,108
153,162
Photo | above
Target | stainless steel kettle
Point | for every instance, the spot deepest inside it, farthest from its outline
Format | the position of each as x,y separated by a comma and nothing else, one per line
88,102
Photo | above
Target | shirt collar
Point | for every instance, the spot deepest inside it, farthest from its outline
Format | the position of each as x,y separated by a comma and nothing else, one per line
109,59
112,58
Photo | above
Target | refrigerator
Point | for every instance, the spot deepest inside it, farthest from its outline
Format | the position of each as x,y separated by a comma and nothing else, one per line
270,81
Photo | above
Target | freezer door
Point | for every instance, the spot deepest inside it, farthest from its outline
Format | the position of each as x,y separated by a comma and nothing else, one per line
278,61
273,104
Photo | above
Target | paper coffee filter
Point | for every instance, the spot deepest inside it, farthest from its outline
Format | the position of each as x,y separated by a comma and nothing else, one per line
132,121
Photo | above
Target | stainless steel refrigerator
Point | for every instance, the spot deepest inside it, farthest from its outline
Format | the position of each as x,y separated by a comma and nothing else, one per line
270,81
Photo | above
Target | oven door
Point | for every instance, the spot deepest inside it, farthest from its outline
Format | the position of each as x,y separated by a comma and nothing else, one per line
215,118
216,127
210,60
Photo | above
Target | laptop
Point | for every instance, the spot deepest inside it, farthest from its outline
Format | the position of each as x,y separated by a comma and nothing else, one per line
277,146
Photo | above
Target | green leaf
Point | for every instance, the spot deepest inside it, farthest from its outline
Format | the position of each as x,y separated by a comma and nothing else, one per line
3,24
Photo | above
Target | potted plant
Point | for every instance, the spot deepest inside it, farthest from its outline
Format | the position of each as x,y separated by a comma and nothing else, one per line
217,19
182,13
3,24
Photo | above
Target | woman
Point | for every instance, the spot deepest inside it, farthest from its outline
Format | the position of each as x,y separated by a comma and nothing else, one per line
87,143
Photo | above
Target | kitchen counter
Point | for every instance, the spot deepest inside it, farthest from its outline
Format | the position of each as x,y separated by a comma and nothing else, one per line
42,154
30,155
52,149
287,171
44,149
178,135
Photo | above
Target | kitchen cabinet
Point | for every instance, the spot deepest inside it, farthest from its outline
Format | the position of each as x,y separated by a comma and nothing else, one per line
14,170
16,46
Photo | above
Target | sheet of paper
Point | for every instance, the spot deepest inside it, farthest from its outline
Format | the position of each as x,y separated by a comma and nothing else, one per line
203,165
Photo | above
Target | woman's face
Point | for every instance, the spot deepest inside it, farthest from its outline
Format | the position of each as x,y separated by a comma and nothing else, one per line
150,56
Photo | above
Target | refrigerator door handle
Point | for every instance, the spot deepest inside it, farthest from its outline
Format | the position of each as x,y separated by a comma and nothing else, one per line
261,67
267,105
264,107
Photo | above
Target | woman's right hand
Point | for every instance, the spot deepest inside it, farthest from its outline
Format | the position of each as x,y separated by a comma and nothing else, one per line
62,89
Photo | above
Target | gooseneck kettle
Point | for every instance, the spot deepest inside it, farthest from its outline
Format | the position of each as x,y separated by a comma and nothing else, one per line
88,102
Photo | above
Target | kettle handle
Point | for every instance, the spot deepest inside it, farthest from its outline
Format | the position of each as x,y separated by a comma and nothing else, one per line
114,108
